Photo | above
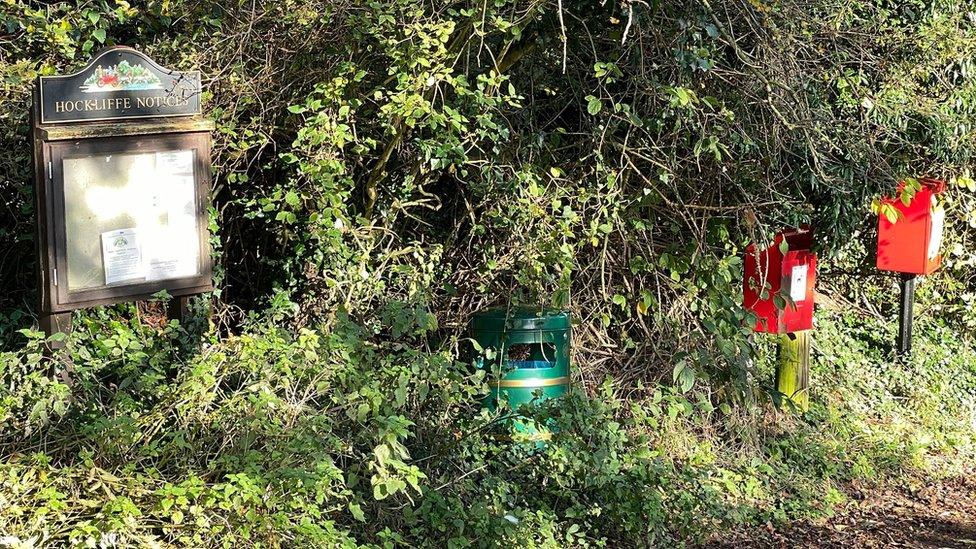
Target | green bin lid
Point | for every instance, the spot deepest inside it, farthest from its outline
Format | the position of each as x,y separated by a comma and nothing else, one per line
503,319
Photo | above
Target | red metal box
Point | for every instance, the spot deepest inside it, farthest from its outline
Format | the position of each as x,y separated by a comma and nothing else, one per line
779,282
911,244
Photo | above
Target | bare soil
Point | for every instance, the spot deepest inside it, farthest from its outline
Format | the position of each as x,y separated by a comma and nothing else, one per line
933,514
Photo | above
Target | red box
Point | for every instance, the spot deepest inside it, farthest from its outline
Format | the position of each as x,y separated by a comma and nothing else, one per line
791,276
911,244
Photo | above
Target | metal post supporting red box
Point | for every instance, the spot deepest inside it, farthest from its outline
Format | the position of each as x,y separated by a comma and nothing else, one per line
791,275
911,244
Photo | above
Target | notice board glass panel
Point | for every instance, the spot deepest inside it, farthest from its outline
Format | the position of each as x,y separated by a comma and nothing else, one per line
130,218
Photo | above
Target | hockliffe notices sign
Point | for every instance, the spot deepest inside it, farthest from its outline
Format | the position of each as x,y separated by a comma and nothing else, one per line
119,83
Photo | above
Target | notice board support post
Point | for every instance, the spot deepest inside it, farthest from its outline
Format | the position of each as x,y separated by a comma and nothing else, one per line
906,313
53,323
178,308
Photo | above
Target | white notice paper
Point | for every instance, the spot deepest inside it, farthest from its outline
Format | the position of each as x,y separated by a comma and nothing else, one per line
167,268
174,163
938,227
172,241
122,256
798,283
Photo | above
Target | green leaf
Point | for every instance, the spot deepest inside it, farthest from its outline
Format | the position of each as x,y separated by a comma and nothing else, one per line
31,334
594,106
292,198
287,217
683,376
357,512
891,213
382,453
99,35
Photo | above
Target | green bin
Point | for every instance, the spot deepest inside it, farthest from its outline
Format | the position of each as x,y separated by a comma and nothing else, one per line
529,350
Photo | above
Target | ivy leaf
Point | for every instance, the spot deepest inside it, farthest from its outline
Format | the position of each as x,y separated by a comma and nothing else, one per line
99,35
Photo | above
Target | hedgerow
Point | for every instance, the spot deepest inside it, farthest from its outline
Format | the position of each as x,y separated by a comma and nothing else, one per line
384,169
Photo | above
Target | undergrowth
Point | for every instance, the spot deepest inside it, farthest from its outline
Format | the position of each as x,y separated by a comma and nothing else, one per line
385,169
280,438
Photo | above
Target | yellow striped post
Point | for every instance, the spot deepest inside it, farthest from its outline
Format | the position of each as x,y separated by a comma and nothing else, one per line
793,368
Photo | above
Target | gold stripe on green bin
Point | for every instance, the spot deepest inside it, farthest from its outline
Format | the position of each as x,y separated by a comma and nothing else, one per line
532,382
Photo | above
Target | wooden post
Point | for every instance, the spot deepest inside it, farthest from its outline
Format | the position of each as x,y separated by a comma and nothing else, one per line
52,323
907,312
178,308
793,368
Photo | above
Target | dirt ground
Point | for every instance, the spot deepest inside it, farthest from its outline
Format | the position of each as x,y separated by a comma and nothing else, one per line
930,515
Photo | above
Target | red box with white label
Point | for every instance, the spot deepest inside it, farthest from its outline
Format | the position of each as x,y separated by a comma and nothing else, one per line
779,282
911,244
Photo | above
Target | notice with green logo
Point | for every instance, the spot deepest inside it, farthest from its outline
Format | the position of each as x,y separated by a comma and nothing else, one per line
122,256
